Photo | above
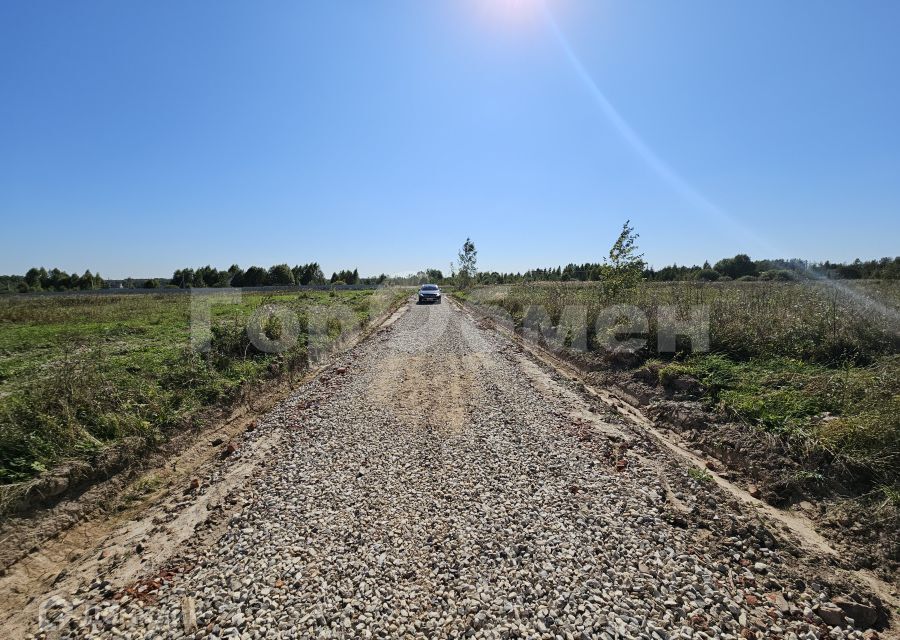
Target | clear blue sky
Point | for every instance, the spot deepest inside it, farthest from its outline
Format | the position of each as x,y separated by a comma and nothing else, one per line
137,137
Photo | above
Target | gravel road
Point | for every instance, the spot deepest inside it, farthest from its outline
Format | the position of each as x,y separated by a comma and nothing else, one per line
440,482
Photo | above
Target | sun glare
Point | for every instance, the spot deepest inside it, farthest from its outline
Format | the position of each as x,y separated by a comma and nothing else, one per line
510,13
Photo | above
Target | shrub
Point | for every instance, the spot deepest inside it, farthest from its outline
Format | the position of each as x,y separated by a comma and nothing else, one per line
780,275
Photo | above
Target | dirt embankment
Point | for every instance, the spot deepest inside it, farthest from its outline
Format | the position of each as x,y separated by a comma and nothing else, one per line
782,472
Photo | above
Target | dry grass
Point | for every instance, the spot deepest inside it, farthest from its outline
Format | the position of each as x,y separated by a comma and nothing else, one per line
82,373
817,361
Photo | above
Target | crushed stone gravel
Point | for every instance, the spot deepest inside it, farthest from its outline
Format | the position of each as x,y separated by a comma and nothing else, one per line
439,486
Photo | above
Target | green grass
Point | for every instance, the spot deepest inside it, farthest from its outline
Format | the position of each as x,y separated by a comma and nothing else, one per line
81,373
853,412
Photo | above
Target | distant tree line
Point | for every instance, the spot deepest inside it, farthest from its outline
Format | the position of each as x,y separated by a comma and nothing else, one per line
235,276
276,275
282,274
39,279
740,267
426,276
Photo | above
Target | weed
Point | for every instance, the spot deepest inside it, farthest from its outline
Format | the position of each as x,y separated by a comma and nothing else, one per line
700,475
891,495
140,489
809,476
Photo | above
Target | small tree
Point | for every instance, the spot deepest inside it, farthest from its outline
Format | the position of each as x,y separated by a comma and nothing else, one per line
466,263
236,278
281,274
33,278
624,268
740,265
312,274
86,281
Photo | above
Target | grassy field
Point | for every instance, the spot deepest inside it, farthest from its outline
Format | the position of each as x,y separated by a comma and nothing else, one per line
814,361
79,373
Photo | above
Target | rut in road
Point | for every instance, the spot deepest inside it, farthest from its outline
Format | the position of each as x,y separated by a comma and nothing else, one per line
448,486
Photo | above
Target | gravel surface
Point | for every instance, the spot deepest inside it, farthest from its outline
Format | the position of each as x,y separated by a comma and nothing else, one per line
437,482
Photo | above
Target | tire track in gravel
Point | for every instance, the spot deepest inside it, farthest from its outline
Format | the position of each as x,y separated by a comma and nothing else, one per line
444,486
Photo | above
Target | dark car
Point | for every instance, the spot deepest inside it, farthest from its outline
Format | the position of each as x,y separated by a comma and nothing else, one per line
429,293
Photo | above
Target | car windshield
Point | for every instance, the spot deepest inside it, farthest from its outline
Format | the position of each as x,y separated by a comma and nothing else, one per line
429,287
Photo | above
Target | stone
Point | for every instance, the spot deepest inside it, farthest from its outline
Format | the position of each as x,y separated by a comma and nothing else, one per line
864,615
781,604
189,614
831,614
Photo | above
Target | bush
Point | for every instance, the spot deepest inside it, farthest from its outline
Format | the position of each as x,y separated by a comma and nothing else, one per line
708,275
778,275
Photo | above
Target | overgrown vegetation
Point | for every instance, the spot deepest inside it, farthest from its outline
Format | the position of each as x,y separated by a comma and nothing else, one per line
815,360
852,412
819,322
812,359
78,374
